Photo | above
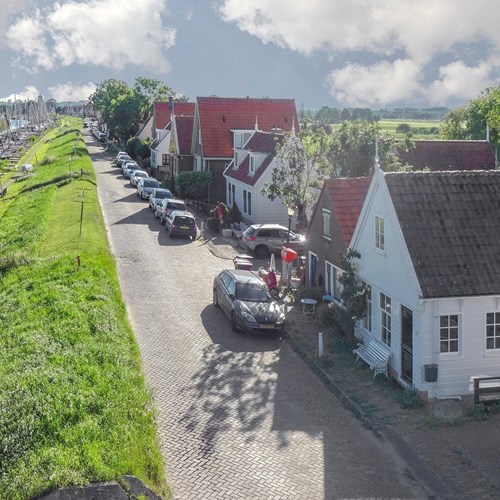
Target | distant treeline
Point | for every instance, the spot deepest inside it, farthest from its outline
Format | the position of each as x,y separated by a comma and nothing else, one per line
326,114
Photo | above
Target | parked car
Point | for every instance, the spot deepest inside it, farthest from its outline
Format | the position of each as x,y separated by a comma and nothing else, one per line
181,223
145,187
263,239
157,196
102,137
128,167
167,207
121,157
245,299
136,175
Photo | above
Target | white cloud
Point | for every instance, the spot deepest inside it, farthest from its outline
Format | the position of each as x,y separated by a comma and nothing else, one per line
386,32
9,8
30,92
108,33
71,92
365,86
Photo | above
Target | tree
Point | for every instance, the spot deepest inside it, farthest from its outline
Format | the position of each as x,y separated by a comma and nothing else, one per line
297,170
105,93
352,150
470,122
148,91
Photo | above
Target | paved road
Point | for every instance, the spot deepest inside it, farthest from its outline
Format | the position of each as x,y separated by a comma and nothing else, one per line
239,416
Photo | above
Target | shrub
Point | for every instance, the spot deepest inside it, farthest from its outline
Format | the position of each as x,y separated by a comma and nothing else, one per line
193,184
234,214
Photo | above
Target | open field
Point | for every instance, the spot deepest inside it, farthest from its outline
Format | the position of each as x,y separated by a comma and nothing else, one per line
73,403
421,129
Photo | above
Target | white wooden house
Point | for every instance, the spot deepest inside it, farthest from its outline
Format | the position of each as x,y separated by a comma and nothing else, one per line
430,253
246,175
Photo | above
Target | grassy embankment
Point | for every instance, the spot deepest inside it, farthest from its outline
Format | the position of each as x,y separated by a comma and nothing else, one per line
73,403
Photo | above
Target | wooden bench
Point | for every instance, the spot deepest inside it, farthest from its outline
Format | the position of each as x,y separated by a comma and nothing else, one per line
486,389
375,354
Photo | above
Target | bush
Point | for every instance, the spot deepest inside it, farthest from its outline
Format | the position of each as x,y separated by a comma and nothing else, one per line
234,214
193,184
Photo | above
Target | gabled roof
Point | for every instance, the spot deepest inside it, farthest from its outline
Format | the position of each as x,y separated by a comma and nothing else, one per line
451,225
347,196
449,155
184,130
260,142
219,115
163,111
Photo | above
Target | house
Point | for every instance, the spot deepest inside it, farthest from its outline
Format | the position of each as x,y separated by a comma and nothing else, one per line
330,230
449,155
222,124
246,176
161,129
145,130
430,255
180,144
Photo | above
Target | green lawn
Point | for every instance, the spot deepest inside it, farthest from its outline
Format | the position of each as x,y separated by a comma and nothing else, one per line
74,407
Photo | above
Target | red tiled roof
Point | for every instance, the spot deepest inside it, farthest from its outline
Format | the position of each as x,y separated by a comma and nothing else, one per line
260,142
347,196
163,112
184,128
449,155
219,115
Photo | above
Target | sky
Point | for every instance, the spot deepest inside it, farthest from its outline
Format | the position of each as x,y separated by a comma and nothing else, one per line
338,53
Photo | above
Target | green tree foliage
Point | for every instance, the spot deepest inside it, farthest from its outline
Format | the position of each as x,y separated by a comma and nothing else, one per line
326,115
123,107
352,150
137,148
470,122
298,161
403,128
192,184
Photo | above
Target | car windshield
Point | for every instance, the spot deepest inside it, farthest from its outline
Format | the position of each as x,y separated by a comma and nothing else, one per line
150,183
176,206
140,173
131,166
252,292
163,194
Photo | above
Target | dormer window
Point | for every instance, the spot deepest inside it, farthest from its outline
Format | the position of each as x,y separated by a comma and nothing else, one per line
241,137
251,167
236,160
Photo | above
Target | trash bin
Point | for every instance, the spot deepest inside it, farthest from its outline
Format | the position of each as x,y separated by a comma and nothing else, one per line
431,373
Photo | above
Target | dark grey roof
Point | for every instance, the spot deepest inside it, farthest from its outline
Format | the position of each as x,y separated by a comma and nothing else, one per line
451,225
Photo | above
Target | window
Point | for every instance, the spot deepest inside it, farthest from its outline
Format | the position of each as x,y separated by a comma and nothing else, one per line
235,159
165,159
233,190
379,232
332,284
249,203
251,168
448,333
326,223
244,201
385,320
493,331
367,320
229,200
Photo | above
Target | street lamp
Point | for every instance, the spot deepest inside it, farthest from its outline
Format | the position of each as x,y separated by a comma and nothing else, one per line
290,211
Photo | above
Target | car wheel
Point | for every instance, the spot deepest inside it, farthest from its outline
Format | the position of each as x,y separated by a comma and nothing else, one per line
261,252
234,326
215,300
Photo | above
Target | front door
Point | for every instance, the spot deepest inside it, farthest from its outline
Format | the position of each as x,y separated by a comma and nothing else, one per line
313,269
407,344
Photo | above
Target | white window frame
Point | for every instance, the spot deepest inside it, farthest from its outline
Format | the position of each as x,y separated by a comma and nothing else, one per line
367,320
332,285
447,329
251,165
326,217
385,304
379,232
236,159
493,332
229,200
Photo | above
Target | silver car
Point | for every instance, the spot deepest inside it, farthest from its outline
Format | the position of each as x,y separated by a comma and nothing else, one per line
145,187
136,175
167,206
157,196
128,167
264,239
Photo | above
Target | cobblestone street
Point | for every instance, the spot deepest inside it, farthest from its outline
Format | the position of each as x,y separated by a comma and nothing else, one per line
239,416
